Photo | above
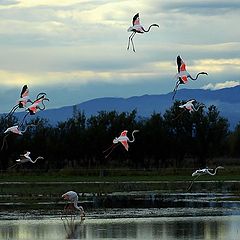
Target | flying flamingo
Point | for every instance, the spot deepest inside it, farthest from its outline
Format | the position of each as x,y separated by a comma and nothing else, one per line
73,198
34,107
189,106
15,130
26,158
123,139
22,101
183,75
137,28
203,171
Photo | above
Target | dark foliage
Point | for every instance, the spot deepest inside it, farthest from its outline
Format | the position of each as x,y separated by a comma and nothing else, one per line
163,141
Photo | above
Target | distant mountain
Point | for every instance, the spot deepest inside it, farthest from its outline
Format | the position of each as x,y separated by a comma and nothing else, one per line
227,101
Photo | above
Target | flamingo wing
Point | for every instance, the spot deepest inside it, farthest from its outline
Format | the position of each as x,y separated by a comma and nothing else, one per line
124,133
125,144
24,92
136,19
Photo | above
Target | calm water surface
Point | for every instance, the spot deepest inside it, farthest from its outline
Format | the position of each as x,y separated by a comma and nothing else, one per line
165,228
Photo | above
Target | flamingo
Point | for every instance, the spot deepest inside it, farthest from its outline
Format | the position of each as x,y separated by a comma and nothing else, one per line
123,139
183,75
26,158
137,28
34,107
203,171
73,198
22,101
189,106
15,130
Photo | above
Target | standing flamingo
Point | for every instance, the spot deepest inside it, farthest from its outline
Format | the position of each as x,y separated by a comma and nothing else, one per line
201,172
25,157
73,198
123,139
183,75
15,130
137,28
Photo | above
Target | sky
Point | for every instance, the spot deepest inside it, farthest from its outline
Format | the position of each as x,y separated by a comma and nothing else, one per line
76,50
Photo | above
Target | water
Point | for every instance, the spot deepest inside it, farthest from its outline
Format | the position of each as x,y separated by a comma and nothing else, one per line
122,215
164,228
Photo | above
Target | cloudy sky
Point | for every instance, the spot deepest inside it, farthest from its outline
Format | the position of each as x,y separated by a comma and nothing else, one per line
75,50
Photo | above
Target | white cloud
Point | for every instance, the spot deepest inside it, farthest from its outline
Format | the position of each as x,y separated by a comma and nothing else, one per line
227,84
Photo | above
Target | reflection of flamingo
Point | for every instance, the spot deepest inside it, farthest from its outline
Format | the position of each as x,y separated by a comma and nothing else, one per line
22,101
73,198
201,172
16,130
26,158
137,28
183,75
123,139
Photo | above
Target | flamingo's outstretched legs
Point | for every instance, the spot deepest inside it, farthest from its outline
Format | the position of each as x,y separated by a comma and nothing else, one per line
131,39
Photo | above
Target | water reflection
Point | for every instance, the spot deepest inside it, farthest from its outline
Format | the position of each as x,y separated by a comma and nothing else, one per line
201,228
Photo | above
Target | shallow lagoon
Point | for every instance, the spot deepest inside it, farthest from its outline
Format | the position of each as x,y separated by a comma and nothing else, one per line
165,228
124,215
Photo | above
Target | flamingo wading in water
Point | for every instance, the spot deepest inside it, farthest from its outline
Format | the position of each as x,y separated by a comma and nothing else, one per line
123,139
203,171
137,28
73,205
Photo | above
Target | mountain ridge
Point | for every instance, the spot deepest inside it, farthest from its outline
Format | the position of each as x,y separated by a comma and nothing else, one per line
227,100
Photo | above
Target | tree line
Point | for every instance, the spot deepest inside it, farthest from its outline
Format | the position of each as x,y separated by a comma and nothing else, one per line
163,140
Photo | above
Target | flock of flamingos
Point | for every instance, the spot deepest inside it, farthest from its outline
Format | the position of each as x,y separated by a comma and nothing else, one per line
36,105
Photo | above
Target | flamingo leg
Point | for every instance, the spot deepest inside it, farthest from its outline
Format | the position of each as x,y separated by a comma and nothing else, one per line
5,142
111,150
132,41
12,111
13,166
22,122
175,89
190,186
129,39
179,115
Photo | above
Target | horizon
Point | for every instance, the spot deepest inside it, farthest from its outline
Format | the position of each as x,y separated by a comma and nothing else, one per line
75,50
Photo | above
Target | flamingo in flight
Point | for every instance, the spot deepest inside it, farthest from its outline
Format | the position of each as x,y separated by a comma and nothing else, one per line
22,101
15,130
203,171
183,75
34,107
25,157
123,139
189,106
73,205
137,28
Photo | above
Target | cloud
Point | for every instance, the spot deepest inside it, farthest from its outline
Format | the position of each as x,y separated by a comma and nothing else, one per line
205,7
216,86
8,2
